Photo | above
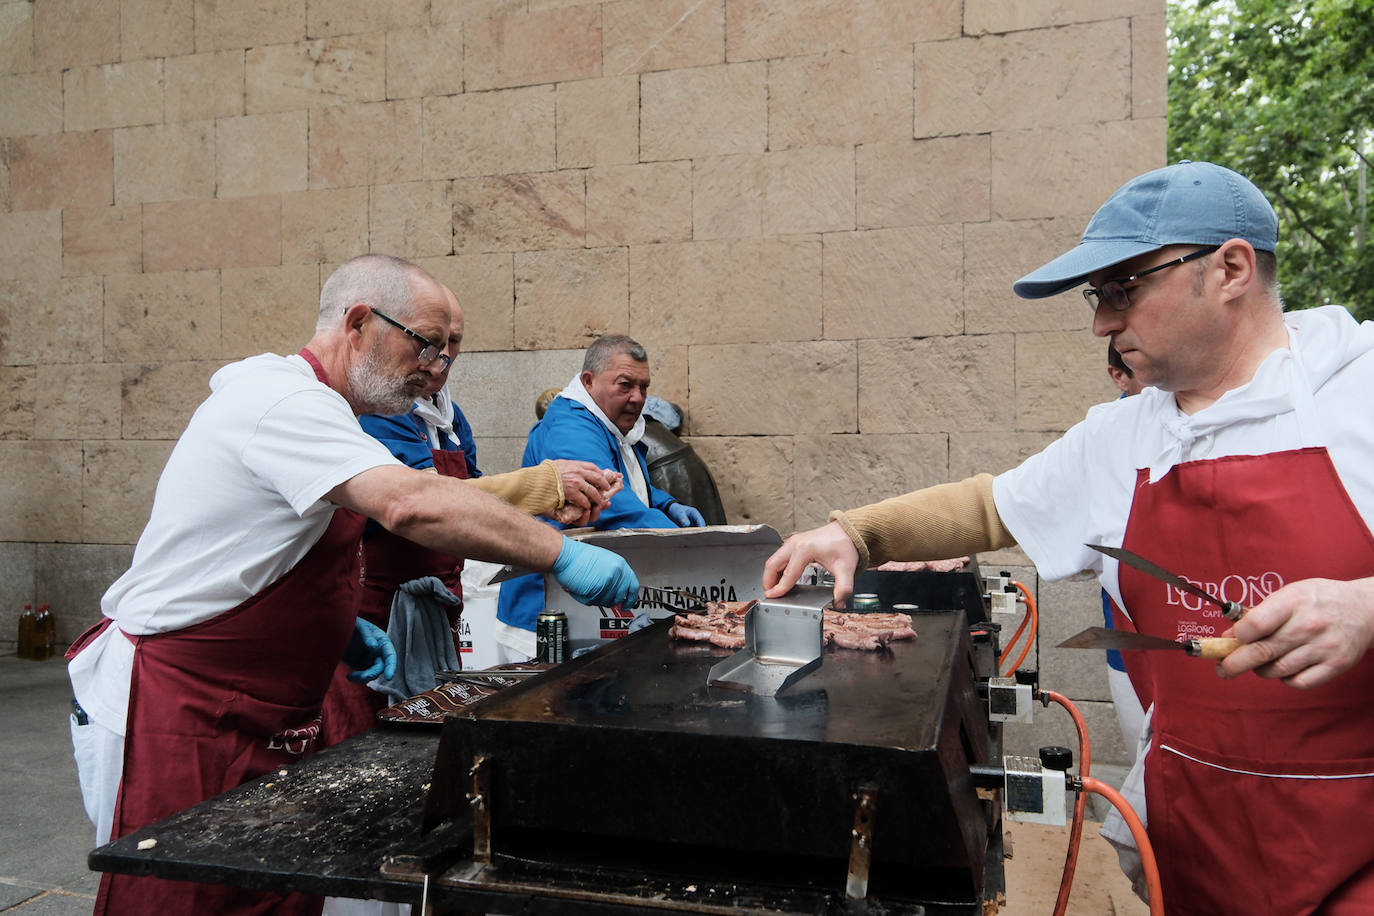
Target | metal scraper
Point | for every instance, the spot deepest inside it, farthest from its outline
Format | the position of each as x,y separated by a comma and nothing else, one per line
783,642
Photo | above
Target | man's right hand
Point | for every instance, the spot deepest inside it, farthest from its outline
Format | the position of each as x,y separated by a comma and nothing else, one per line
594,575
827,545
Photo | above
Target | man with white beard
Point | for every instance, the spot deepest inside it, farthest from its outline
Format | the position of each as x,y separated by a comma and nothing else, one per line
216,647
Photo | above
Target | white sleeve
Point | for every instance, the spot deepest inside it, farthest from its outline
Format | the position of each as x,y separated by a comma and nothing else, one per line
307,444
1077,491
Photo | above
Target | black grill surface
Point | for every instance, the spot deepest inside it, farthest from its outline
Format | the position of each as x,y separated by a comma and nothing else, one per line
625,760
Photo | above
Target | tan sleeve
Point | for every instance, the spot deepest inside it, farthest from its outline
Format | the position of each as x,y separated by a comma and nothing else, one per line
534,490
937,523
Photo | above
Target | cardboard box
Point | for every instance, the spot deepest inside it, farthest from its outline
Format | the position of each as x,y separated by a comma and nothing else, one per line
477,636
715,563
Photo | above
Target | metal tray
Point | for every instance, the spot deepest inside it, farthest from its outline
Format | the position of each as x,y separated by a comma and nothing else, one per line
784,639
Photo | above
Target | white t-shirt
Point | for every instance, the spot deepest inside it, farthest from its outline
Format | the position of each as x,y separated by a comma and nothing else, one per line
237,506
1079,489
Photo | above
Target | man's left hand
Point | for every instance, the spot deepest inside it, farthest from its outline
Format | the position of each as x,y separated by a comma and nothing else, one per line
370,653
685,516
1306,633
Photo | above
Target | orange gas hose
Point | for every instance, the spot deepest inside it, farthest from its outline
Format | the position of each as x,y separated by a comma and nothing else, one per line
1080,803
1031,617
1011,643
1142,840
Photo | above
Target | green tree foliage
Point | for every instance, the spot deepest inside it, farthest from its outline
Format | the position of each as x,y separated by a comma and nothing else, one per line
1283,92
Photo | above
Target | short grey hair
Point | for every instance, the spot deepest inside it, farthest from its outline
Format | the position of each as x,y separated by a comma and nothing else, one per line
1266,272
376,280
609,346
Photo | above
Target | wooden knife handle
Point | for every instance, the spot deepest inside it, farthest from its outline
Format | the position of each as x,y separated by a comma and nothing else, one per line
1213,646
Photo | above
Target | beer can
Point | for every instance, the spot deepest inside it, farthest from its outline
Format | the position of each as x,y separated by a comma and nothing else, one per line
865,601
551,637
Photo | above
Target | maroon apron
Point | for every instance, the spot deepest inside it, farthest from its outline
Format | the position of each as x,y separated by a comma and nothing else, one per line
388,560
219,703
1257,793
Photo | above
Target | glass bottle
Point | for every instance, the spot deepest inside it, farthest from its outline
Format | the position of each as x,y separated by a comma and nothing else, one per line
39,640
24,649
49,631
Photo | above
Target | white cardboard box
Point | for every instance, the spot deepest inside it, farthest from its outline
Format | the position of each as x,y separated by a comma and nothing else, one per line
477,638
716,563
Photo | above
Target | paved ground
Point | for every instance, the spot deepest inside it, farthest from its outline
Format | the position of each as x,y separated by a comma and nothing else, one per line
1036,865
44,833
45,836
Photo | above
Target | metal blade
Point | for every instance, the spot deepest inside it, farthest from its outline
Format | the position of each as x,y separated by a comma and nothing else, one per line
1107,638
487,675
692,600
1232,610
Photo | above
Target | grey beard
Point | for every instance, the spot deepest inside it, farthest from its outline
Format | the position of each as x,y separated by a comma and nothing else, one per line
373,391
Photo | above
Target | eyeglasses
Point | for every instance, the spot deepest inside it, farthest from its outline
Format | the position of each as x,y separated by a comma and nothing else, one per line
1113,293
429,351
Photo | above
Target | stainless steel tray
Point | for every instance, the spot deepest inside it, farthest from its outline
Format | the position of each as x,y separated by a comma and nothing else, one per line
783,642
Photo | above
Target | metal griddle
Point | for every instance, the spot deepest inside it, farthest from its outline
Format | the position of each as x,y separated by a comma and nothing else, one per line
625,760
382,815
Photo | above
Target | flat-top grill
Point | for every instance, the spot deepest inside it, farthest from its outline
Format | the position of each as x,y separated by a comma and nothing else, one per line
855,779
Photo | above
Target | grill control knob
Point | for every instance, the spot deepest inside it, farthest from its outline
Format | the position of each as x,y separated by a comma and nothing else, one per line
1056,757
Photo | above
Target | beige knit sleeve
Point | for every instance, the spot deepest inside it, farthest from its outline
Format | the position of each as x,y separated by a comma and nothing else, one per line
937,523
535,490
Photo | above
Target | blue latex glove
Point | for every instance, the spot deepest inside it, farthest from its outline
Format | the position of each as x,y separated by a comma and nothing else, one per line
370,653
594,575
685,516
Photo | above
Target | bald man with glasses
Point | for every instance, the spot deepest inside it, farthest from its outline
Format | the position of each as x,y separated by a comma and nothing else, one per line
215,648
1244,465
434,436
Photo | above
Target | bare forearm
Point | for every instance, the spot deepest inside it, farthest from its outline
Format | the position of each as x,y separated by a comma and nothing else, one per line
483,527
448,514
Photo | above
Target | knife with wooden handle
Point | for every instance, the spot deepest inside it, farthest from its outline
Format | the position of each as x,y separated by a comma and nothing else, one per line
1107,638
1232,609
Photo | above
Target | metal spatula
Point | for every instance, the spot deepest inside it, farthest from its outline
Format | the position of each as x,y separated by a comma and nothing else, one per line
783,642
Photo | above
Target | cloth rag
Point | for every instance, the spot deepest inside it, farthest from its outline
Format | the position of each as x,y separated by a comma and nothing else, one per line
420,632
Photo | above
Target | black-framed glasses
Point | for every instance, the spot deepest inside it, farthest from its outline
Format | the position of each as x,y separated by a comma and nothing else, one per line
429,351
1113,293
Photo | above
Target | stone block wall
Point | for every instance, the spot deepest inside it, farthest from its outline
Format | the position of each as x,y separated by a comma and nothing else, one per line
809,211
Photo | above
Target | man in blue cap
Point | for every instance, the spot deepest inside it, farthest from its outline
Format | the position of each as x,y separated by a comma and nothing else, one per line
1244,465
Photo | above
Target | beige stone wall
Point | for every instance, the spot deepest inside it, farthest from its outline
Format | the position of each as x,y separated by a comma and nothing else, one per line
810,211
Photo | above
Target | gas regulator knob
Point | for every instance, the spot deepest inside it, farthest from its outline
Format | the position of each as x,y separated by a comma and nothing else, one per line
1056,757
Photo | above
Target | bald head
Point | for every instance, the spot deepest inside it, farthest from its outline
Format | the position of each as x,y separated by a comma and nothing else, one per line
455,333
454,345
378,281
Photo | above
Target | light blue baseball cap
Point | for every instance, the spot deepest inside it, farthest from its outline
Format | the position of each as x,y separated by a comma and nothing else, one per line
1191,203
